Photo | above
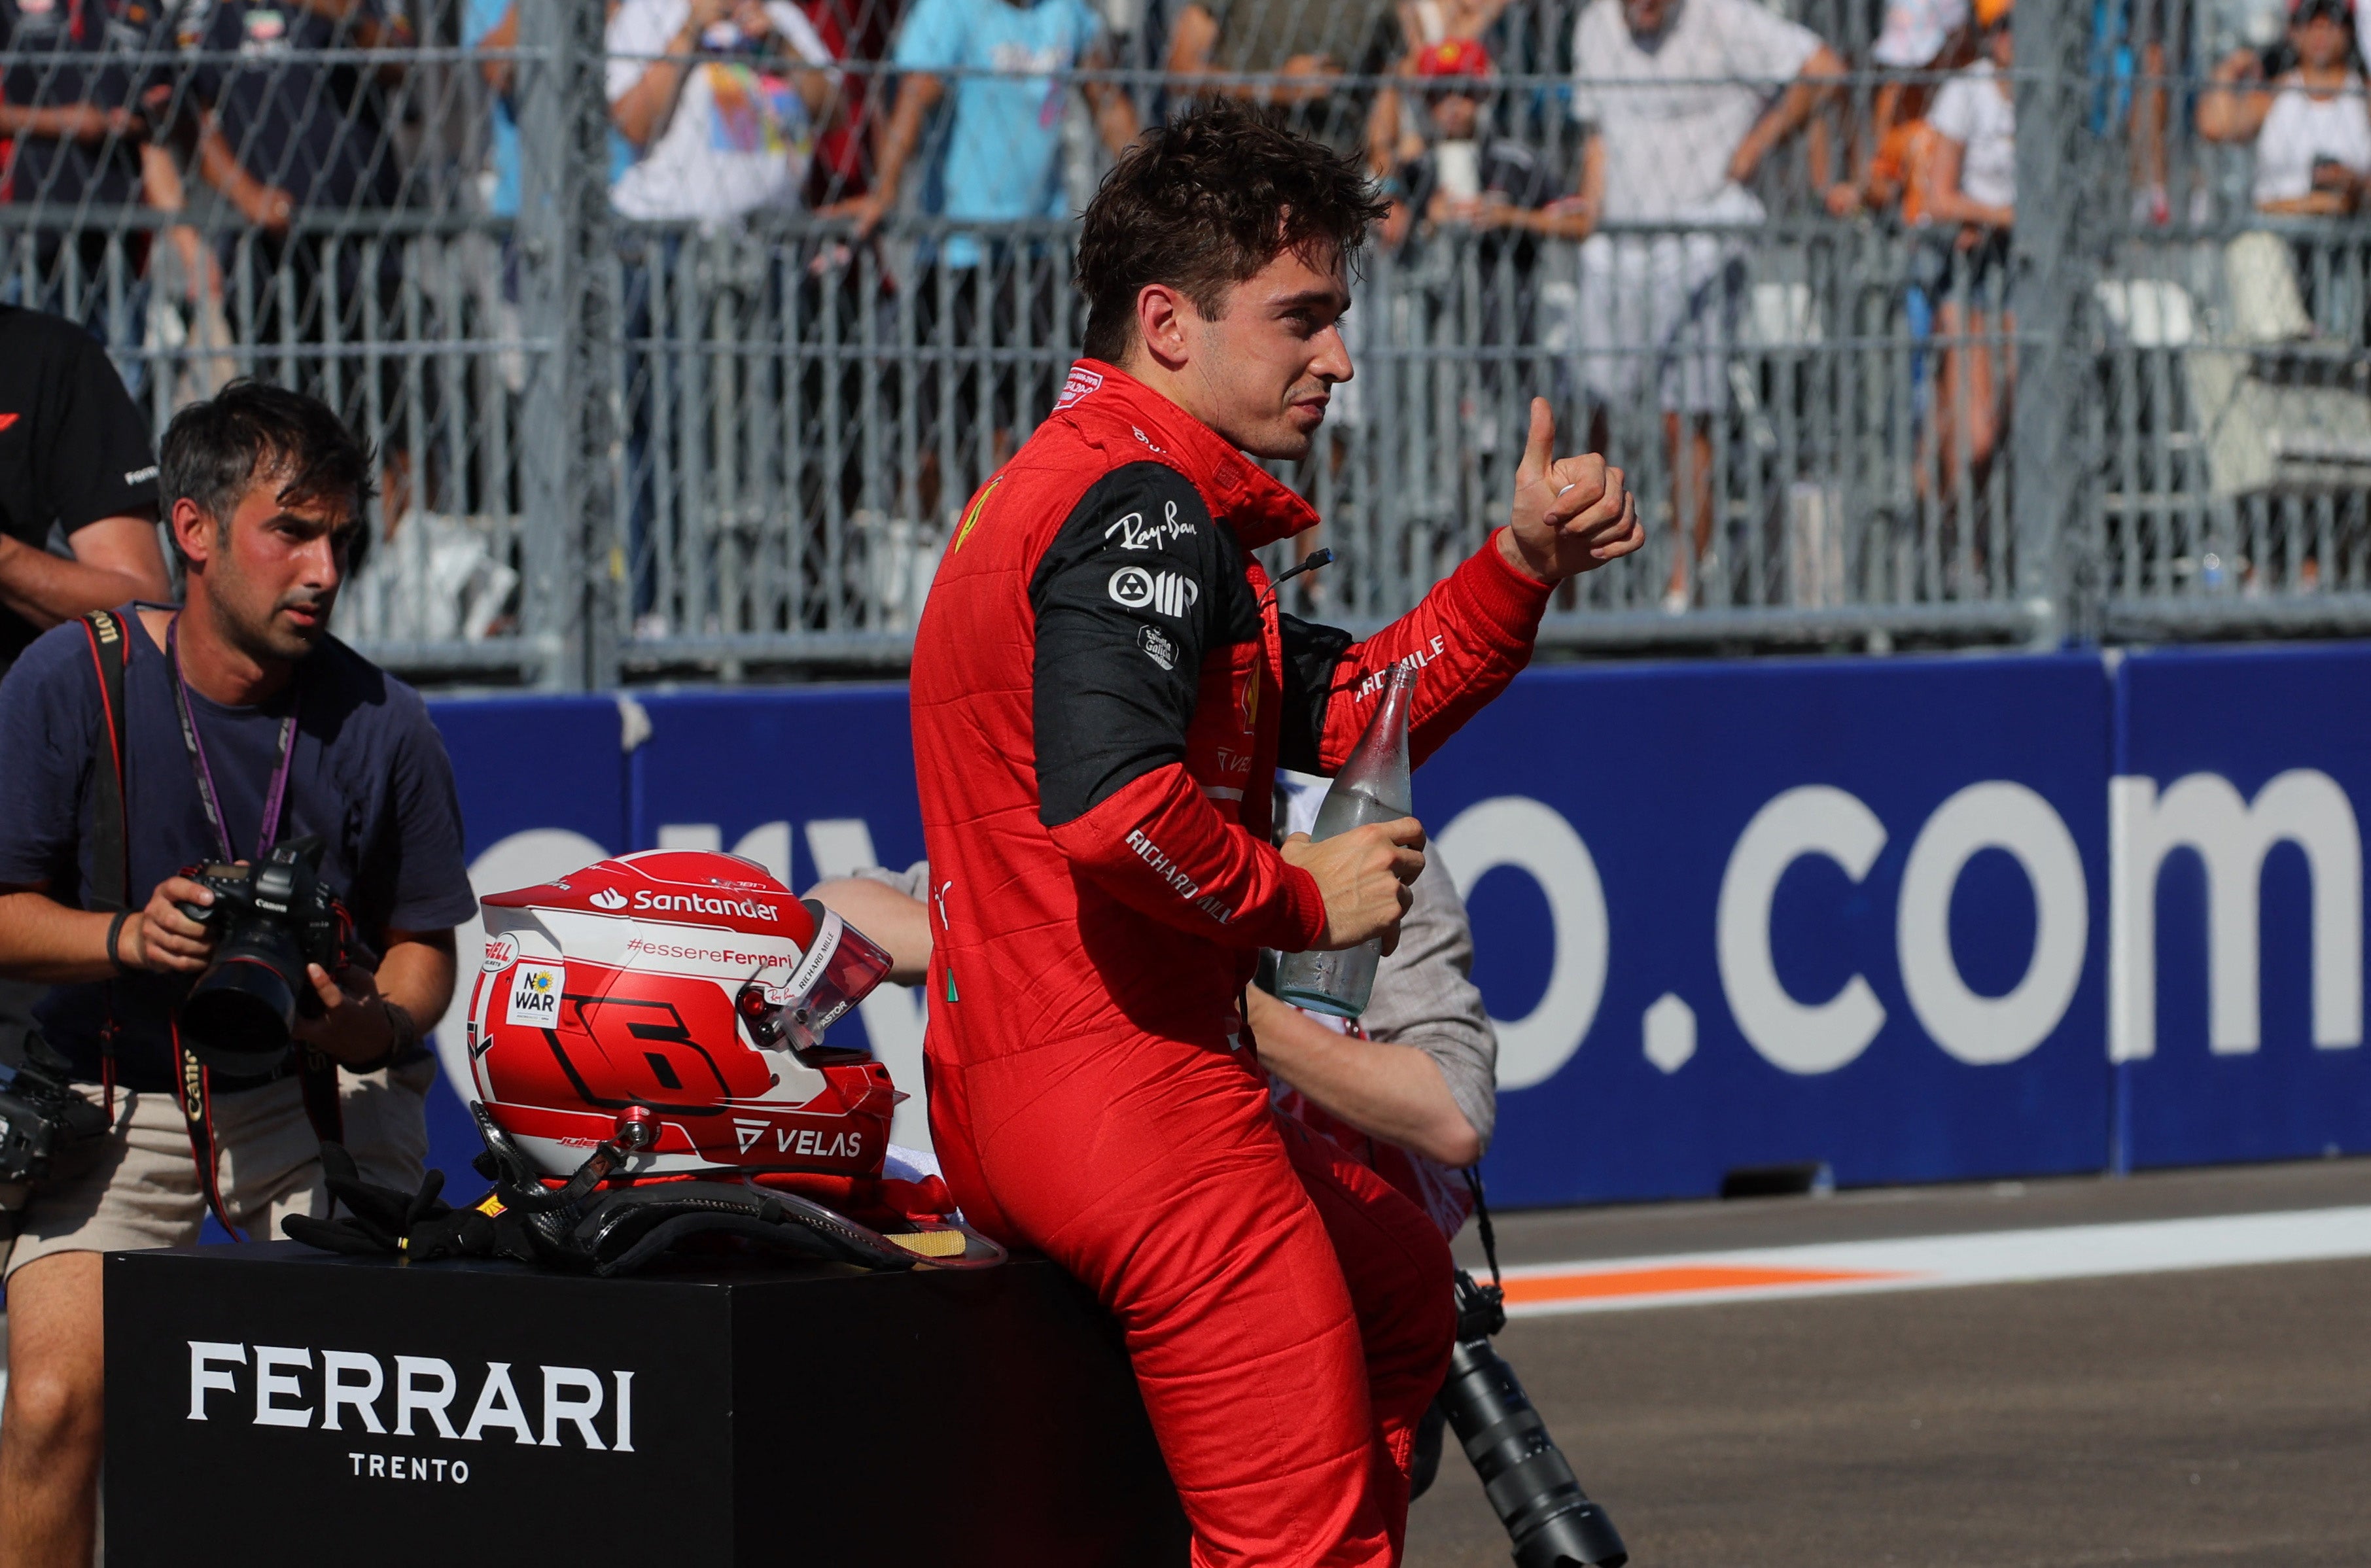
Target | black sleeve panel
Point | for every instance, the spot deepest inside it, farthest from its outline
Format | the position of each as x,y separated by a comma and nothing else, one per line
1139,584
1311,653
102,465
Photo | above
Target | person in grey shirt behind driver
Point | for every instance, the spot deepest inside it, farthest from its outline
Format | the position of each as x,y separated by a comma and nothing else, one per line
1409,1089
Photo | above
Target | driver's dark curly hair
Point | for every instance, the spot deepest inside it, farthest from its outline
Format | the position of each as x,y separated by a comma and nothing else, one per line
1204,202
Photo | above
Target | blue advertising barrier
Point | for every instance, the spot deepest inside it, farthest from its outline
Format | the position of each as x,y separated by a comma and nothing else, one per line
2236,1024
1877,912
1812,893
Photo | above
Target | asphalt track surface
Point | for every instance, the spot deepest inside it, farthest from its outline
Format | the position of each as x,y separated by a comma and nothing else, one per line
2210,1417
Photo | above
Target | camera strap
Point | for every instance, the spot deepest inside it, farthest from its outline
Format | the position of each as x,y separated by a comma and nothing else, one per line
275,795
1482,1223
111,855
192,1080
193,1092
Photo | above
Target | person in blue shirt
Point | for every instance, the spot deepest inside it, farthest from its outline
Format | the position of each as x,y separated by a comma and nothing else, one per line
493,25
244,725
1008,64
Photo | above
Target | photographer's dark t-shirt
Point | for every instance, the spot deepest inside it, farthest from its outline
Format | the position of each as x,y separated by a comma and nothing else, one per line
369,775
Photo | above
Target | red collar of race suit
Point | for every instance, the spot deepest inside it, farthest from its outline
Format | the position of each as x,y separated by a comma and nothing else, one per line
1101,398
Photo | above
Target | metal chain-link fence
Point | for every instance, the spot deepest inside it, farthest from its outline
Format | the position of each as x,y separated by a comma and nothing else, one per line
685,327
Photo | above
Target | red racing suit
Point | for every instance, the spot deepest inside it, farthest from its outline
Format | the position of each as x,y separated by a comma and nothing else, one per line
1102,688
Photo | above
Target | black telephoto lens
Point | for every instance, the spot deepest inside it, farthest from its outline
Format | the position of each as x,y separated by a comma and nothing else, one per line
1552,1522
240,1015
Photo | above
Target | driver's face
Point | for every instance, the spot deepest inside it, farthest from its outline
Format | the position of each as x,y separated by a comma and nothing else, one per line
1268,364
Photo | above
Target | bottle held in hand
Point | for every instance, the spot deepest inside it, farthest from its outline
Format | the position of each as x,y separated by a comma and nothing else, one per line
1371,787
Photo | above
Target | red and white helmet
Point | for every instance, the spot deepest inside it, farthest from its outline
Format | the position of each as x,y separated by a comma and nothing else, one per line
686,991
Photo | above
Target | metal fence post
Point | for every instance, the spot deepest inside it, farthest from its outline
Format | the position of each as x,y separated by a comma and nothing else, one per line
2049,263
565,241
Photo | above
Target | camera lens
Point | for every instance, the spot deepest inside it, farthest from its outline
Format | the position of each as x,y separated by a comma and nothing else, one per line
239,1016
1526,1477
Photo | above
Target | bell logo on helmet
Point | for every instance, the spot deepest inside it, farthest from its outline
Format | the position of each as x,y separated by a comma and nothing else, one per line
535,995
501,953
609,898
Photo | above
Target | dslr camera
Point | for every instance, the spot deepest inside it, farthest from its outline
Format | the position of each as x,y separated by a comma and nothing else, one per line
271,920
46,1127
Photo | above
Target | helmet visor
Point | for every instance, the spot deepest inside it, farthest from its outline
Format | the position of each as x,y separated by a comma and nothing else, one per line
845,965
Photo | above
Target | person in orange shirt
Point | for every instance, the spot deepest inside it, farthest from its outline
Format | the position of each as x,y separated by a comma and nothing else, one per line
1924,41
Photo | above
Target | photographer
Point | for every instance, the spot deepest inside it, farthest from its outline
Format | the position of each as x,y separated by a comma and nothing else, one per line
245,726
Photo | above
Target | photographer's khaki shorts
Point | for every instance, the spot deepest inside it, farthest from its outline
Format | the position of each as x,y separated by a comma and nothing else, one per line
144,1191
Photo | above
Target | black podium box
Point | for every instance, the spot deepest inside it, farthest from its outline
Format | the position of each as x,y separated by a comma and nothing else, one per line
268,1404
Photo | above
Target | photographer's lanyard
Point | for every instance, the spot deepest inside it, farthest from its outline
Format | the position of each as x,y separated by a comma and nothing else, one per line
194,1081
272,797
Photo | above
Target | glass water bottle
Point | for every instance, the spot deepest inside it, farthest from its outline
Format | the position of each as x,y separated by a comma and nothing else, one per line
1371,787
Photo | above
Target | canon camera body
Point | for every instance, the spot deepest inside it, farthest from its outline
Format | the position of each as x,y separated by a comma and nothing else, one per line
273,919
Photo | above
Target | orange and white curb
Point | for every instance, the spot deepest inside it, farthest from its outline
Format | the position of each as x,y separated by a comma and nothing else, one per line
1933,1262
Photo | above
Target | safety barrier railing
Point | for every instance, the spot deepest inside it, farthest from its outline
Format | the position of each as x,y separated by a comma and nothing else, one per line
719,447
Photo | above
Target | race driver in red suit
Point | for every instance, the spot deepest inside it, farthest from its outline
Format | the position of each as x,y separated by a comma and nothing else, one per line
1103,687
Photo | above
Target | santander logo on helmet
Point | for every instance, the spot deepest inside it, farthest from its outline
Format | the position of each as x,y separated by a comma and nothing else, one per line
694,987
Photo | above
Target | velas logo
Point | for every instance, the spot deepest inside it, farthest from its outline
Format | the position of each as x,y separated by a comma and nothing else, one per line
536,990
418,1397
609,898
701,903
815,1143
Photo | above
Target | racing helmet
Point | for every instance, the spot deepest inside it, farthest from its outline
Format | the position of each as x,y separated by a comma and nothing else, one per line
681,997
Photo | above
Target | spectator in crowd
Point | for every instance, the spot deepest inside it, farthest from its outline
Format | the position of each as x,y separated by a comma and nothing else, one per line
1920,40
492,24
279,127
74,138
1684,100
720,100
1467,176
1971,185
1310,45
1496,193
1009,64
1424,23
2311,131
851,30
